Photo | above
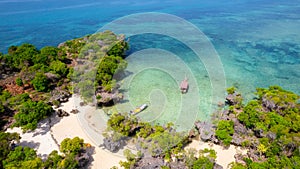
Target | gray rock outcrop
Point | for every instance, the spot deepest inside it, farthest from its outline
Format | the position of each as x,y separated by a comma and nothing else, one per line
150,163
217,166
61,113
74,111
205,129
113,146
271,136
61,96
239,128
259,133
236,139
233,99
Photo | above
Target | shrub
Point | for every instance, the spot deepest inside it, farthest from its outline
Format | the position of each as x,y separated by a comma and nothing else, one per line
230,90
19,82
40,83
224,131
30,113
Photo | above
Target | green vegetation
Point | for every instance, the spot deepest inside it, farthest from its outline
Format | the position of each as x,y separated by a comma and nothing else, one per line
22,56
231,90
271,121
19,81
22,157
119,48
71,146
274,119
164,141
103,55
50,68
250,114
26,113
32,64
210,153
9,104
40,83
224,131
203,162
159,141
30,113
72,47
108,67
131,159
59,68
5,144
27,55
123,124
284,162
25,157
161,138
47,54
234,100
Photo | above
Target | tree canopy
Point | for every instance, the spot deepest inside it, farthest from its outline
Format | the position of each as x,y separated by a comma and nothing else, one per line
224,131
275,115
5,144
25,157
40,82
30,113
71,146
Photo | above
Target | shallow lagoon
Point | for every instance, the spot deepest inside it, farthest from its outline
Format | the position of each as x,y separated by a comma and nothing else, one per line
258,43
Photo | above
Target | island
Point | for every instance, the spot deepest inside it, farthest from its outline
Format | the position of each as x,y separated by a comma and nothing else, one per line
37,115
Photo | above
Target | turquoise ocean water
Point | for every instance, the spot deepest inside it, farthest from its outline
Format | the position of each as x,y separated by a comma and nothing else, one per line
258,42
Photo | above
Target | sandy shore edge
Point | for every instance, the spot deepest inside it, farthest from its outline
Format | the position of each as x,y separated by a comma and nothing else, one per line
46,137
52,131
224,156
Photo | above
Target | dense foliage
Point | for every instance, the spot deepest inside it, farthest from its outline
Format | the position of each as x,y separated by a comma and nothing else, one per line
123,124
271,123
101,58
30,113
22,157
51,69
40,83
40,69
25,157
224,131
26,112
9,104
27,55
5,144
274,118
109,67
19,81
71,146
155,140
73,47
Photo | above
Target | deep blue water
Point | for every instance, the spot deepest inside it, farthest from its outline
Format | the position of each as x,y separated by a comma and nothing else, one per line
258,41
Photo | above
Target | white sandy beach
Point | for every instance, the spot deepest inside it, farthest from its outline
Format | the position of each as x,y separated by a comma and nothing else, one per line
40,140
44,139
68,127
224,156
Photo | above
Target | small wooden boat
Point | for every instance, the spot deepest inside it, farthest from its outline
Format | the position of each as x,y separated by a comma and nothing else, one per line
184,86
139,109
